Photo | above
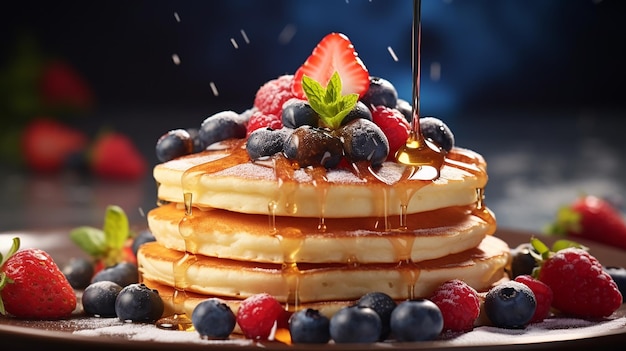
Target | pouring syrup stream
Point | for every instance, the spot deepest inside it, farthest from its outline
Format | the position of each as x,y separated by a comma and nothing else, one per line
425,158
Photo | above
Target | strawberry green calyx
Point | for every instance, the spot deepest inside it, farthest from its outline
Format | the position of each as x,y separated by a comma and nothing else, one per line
328,102
4,280
542,251
104,244
567,220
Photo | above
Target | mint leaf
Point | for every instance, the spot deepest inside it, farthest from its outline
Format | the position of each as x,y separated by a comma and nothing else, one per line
328,102
115,227
91,240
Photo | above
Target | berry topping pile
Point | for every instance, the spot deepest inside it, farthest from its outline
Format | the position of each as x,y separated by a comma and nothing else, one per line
330,113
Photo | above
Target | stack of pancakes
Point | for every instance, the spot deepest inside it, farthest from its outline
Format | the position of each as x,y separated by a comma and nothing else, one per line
312,237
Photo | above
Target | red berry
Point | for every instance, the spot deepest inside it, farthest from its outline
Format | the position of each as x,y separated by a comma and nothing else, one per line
64,88
334,53
35,287
580,286
46,144
593,218
258,314
543,296
273,94
459,304
394,125
114,156
259,119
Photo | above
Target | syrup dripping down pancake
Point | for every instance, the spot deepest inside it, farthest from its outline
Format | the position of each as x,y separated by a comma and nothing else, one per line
226,178
245,237
480,267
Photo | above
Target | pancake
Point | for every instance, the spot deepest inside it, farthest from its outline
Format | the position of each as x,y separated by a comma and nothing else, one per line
225,178
248,237
298,283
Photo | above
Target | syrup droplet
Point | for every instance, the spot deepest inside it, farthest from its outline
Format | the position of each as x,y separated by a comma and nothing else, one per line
175,322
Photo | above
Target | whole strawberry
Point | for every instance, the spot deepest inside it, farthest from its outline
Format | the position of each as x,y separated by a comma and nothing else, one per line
592,218
32,285
580,286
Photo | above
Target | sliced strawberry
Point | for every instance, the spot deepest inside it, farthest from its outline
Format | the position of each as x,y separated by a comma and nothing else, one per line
46,144
335,53
114,156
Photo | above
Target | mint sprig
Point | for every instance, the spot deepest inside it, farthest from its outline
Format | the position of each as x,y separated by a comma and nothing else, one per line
106,243
328,102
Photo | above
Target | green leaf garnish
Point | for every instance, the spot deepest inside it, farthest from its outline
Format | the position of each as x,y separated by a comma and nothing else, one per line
105,243
328,102
115,227
91,240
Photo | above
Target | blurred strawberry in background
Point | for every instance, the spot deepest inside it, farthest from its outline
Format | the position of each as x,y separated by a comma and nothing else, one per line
62,87
590,217
47,144
115,157
41,100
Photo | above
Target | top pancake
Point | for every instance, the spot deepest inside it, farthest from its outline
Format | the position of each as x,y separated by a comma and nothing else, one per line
226,178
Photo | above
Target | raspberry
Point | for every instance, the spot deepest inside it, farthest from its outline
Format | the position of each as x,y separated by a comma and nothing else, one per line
580,286
273,94
543,296
258,120
393,124
459,304
258,314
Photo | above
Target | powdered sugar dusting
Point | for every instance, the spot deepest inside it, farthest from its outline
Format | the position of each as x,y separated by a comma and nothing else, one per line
112,327
551,329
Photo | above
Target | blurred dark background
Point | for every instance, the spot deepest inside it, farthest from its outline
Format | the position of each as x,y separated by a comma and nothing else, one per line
534,71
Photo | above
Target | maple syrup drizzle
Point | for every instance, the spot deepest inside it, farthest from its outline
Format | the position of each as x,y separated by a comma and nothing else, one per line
320,182
285,191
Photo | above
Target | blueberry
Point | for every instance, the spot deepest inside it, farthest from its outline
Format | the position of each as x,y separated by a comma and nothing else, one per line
194,134
360,110
380,92
309,326
221,126
138,303
383,305
123,273
212,318
79,272
522,260
363,140
298,113
144,236
310,146
355,324
266,142
98,299
416,320
173,144
435,129
510,305
619,276
405,108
